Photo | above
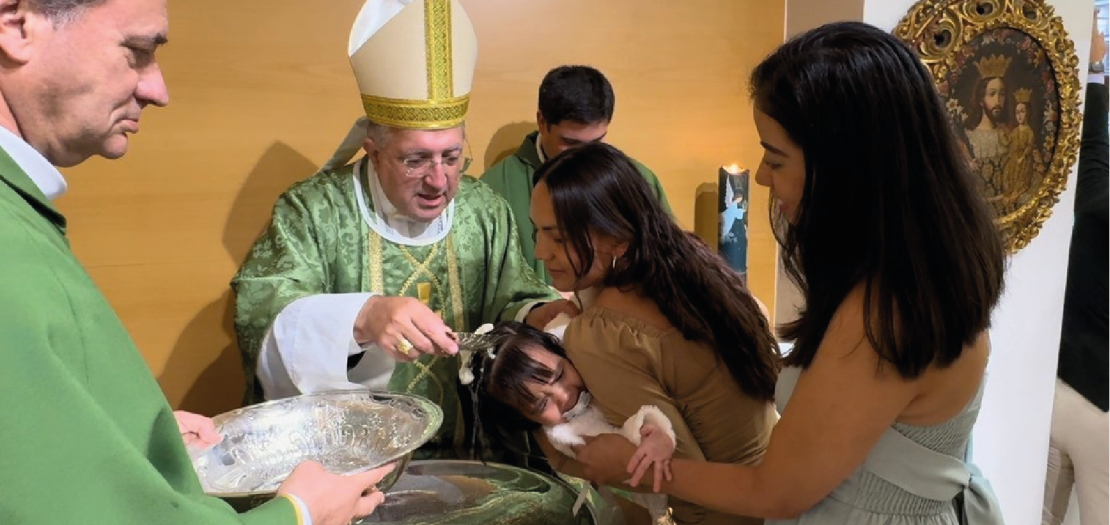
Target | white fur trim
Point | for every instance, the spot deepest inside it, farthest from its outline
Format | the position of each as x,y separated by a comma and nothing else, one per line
648,414
558,326
566,435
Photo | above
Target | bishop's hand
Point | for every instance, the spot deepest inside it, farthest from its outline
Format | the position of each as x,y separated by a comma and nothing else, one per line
404,328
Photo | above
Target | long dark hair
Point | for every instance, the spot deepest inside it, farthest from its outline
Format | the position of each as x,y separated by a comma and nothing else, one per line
597,190
889,201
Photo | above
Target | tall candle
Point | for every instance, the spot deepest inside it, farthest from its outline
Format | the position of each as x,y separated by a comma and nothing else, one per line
732,187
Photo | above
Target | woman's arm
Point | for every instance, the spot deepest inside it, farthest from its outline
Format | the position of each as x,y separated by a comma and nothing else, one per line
559,461
840,408
564,464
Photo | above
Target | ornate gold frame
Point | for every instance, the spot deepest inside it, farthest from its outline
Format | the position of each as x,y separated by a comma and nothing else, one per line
938,29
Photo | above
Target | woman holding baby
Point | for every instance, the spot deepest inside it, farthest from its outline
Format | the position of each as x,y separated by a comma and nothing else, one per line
664,322
900,263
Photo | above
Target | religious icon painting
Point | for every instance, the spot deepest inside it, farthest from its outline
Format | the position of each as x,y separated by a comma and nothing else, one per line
1008,74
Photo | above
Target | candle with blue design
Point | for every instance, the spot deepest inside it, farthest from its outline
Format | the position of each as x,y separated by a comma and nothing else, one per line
732,187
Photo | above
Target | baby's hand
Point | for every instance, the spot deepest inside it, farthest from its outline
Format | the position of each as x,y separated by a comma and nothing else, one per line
655,450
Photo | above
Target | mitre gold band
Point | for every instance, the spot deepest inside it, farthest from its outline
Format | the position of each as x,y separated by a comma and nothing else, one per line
416,114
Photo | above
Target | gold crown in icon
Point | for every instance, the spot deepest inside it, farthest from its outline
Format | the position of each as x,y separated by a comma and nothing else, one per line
994,66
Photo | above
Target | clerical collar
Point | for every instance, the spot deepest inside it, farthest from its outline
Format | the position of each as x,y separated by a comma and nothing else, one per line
41,172
539,150
387,221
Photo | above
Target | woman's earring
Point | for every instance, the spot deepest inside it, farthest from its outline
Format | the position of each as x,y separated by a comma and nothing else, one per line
614,265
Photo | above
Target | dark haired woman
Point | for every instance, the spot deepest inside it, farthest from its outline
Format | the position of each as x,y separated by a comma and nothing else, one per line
900,265
665,321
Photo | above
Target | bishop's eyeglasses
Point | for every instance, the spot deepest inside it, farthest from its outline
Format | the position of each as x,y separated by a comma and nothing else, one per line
420,167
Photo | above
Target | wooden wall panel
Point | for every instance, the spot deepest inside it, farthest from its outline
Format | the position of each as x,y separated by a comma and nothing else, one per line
261,93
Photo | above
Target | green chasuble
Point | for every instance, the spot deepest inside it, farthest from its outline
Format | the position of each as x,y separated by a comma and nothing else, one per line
512,179
319,243
86,434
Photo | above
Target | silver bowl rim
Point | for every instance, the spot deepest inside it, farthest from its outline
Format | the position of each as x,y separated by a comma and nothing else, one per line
555,480
434,411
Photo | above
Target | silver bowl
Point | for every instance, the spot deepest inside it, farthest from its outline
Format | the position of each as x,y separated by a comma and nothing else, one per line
443,492
346,431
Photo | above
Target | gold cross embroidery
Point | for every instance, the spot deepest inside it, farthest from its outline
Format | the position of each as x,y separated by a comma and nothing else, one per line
453,298
424,293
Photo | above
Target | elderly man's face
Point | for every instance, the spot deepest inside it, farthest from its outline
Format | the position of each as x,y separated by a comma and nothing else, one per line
419,170
994,99
83,83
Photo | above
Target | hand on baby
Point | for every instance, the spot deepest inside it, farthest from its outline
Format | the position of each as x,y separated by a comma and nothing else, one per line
655,450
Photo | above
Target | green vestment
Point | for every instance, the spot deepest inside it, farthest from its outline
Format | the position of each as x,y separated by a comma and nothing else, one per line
319,243
86,433
512,179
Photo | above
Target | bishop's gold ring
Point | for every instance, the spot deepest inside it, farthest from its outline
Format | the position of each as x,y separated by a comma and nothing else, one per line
404,346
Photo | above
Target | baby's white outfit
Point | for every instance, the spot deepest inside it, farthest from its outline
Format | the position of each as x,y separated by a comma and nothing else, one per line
587,420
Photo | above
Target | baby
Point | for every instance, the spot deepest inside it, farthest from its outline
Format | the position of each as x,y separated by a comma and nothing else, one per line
526,382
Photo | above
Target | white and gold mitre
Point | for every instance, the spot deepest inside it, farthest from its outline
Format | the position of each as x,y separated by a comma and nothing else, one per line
414,62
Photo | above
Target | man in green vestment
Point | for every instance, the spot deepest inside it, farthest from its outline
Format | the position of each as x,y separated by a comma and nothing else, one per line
368,268
87,436
575,107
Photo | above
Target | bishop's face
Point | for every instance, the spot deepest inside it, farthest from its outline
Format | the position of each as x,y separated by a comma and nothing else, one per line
419,170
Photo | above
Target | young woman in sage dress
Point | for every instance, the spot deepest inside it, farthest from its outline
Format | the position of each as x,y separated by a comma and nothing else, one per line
900,265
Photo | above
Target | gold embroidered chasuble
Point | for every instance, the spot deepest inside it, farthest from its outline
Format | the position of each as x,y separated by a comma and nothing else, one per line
318,243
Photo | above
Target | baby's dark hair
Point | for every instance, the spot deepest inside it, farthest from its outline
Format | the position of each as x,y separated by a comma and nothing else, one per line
501,375
499,392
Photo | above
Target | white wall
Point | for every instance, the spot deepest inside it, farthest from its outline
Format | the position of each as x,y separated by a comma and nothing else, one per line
1011,437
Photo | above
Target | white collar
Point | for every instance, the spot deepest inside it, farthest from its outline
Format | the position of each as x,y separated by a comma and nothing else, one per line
539,149
580,407
47,177
387,222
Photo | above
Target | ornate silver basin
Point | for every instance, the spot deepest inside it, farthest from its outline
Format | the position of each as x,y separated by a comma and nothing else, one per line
346,431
